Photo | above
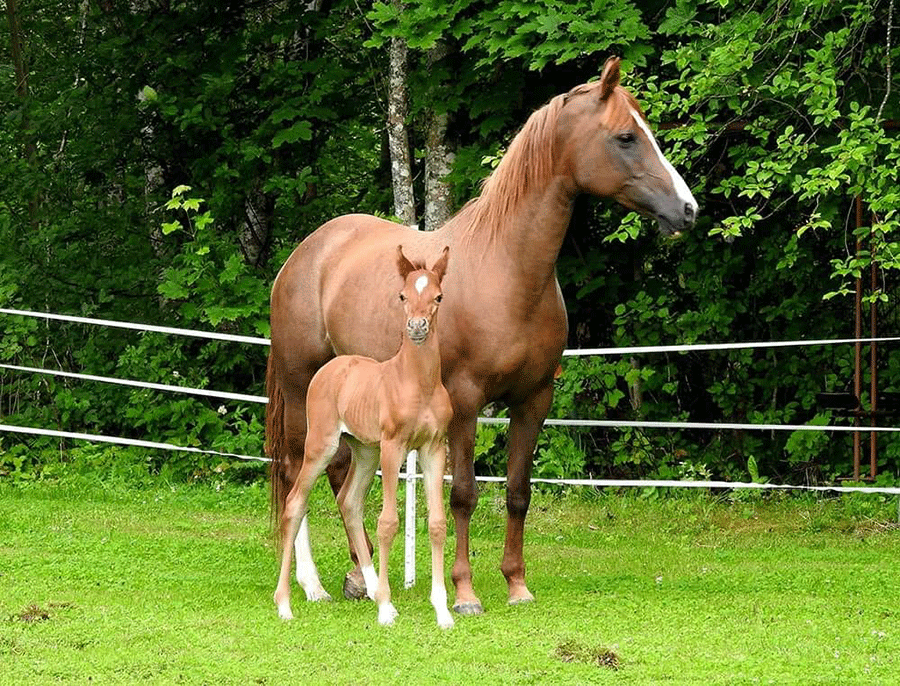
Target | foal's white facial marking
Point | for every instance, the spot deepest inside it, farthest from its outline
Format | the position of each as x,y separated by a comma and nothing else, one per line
421,282
681,188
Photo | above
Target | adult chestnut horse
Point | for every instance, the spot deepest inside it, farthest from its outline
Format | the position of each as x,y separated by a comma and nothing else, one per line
503,318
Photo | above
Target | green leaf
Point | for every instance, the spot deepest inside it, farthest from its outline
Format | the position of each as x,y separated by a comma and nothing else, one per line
302,130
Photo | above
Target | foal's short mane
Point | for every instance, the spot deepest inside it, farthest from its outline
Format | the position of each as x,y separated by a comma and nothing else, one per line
529,160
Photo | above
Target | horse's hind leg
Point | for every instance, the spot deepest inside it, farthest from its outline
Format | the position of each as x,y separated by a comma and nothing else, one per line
338,470
433,470
307,574
350,499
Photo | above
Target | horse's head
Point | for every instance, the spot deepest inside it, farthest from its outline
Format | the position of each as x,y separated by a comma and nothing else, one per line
421,294
609,150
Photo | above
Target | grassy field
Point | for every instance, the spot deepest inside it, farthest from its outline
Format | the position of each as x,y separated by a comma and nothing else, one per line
165,585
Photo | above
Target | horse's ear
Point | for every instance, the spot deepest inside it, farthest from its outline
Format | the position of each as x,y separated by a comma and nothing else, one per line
440,267
404,266
609,79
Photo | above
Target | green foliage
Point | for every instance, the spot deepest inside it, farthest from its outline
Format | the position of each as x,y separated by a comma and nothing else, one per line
774,112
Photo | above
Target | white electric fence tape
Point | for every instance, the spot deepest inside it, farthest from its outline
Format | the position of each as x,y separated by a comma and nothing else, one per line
600,483
484,420
142,384
141,327
567,353
123,441
613,423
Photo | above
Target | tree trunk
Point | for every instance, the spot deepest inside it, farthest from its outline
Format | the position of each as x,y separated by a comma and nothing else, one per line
257,229
398,136
21,74
438,159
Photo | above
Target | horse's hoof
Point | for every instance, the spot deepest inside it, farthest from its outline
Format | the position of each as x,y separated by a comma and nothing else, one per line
519,594
355,586
468,608
524,600
318,596
387,614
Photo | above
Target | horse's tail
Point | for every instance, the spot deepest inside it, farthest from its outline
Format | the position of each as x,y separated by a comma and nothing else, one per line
275,440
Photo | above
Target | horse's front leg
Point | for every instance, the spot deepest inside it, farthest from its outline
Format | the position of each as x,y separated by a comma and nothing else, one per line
432,460
392,454
526,420
463,499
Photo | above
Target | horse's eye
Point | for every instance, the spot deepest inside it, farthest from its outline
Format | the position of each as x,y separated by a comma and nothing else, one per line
625,138
402,298
439,298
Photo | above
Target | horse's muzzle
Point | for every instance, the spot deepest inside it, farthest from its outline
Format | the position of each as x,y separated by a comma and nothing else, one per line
417,330
671,223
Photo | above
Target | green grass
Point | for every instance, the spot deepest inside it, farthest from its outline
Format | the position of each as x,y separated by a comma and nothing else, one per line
174,585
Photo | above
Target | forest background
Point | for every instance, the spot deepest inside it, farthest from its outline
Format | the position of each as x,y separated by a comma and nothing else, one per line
161,159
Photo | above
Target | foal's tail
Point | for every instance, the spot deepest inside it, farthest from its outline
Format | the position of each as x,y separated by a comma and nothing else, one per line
275,441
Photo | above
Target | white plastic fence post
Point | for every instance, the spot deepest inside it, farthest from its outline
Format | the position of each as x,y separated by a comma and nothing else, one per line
410,524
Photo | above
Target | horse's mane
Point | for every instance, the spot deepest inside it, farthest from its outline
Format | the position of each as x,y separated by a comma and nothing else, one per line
529,160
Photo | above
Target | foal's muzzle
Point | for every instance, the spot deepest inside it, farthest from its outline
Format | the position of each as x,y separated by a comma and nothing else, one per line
417,330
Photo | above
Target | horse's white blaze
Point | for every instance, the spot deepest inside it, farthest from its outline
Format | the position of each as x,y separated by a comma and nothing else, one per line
681,188
421,282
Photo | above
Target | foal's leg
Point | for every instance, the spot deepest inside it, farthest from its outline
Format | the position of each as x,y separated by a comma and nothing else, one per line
433,470
319,450
391,456
350,499
526,420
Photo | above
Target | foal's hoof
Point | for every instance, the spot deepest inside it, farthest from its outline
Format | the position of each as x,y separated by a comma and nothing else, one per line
468,609
355,586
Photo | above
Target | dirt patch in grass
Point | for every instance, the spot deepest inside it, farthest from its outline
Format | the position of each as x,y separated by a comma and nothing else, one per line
35,613
572,651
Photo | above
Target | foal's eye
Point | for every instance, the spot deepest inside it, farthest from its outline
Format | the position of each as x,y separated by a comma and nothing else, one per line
402,298
625,138
439,298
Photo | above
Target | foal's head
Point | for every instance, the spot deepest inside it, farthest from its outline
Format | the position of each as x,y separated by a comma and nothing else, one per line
610,151
421,294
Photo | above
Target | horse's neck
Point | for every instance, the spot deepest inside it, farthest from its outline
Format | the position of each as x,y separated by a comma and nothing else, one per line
419,364
525,243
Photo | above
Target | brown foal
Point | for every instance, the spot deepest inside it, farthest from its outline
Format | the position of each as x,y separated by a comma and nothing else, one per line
387,408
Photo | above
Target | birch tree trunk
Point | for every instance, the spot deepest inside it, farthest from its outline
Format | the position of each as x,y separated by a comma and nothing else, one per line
398,136
438,159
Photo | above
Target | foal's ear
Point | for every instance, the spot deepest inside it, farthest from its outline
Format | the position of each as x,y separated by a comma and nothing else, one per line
609,79
440,267
404,266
